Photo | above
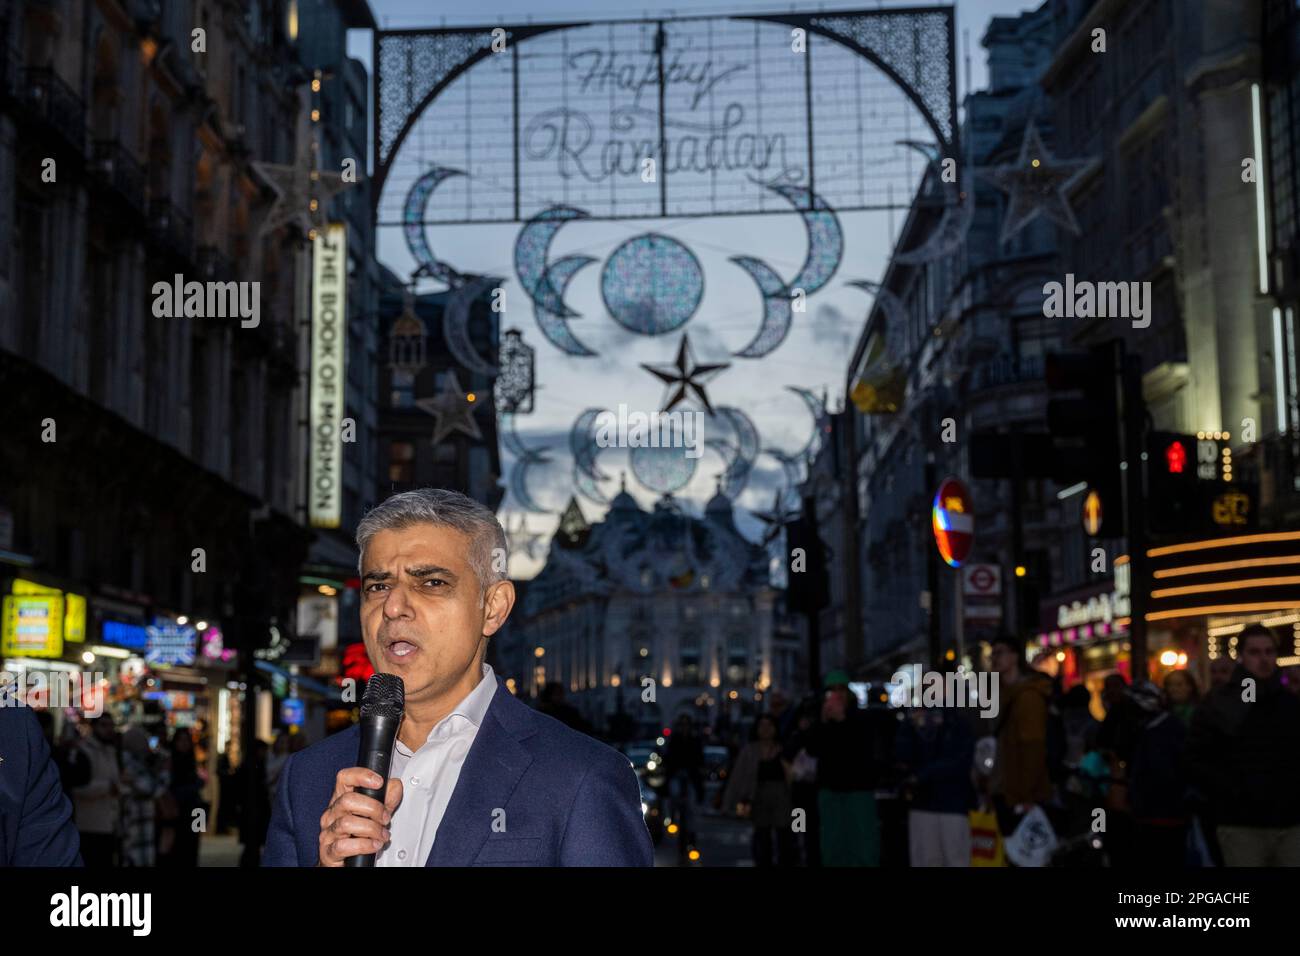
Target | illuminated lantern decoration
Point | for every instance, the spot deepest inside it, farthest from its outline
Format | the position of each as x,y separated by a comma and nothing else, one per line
406,340
953,518
514,383
1176,457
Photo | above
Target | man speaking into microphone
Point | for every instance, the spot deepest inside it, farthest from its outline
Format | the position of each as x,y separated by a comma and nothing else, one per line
477,777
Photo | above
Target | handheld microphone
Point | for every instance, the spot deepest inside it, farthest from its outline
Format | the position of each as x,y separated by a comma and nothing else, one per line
382,706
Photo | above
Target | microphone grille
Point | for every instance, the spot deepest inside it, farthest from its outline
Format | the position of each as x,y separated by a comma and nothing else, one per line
385,696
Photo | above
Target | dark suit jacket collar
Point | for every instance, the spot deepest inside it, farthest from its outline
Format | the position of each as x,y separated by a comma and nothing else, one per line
491,771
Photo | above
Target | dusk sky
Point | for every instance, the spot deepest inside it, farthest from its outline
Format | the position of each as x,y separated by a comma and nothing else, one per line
815,353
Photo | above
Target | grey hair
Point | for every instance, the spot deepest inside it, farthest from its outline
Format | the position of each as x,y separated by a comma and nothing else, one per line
448,509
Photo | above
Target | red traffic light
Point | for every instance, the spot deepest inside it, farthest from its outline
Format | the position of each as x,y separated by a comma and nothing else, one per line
1176,457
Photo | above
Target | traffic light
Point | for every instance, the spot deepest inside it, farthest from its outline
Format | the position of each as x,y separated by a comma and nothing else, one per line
1085,417
809,589
1193,487
1174,499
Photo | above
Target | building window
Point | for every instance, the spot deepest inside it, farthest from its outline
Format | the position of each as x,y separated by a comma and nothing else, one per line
401,462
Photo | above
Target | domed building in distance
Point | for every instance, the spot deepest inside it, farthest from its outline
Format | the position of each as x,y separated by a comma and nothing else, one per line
654,614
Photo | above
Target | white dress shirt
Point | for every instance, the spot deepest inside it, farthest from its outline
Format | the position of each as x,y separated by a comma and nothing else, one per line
429,776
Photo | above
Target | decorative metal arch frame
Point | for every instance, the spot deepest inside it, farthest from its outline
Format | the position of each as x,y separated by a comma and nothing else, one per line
913,46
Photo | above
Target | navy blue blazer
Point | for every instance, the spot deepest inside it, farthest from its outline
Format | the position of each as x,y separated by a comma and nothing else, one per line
569,800
36,827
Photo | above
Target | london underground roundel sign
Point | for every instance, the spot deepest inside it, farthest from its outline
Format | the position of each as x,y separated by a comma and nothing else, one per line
954,522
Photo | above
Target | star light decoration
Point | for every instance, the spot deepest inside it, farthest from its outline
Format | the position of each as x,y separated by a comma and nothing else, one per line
522,540
685,376
302,191
1036,184
778,516
452,410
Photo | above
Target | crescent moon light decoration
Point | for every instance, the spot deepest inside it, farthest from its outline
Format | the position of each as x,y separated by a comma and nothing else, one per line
526,458
895,318
508,436
929,150
585,452
531,249
587,486
791,465
959,211
413,224
777,308
583,445
825,250
455,322
745,449
554,325
818,409
825,240
519,485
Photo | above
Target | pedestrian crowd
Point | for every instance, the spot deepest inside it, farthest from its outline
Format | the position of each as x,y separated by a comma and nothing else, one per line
1170,776
138,800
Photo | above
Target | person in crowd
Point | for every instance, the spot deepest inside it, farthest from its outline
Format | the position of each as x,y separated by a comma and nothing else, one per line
1123,721
759,790
1158,781
254,804
71,761
683,765
1183,695
553,704
97,801
1116,741
778,707
180,848
846,778
227,793
142,785
1220,671
1244,753
803,781
1080,726
1020,778
936,747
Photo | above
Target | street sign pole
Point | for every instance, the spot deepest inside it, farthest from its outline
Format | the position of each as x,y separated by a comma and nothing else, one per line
961,618
1135,513
932,576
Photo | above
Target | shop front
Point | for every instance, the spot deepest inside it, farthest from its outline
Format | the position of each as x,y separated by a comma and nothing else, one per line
1205,592
1085,638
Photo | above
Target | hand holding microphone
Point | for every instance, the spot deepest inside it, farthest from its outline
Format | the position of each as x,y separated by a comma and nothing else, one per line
354,827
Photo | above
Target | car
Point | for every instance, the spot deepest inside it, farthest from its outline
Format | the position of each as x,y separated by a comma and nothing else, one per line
643,754
650,809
